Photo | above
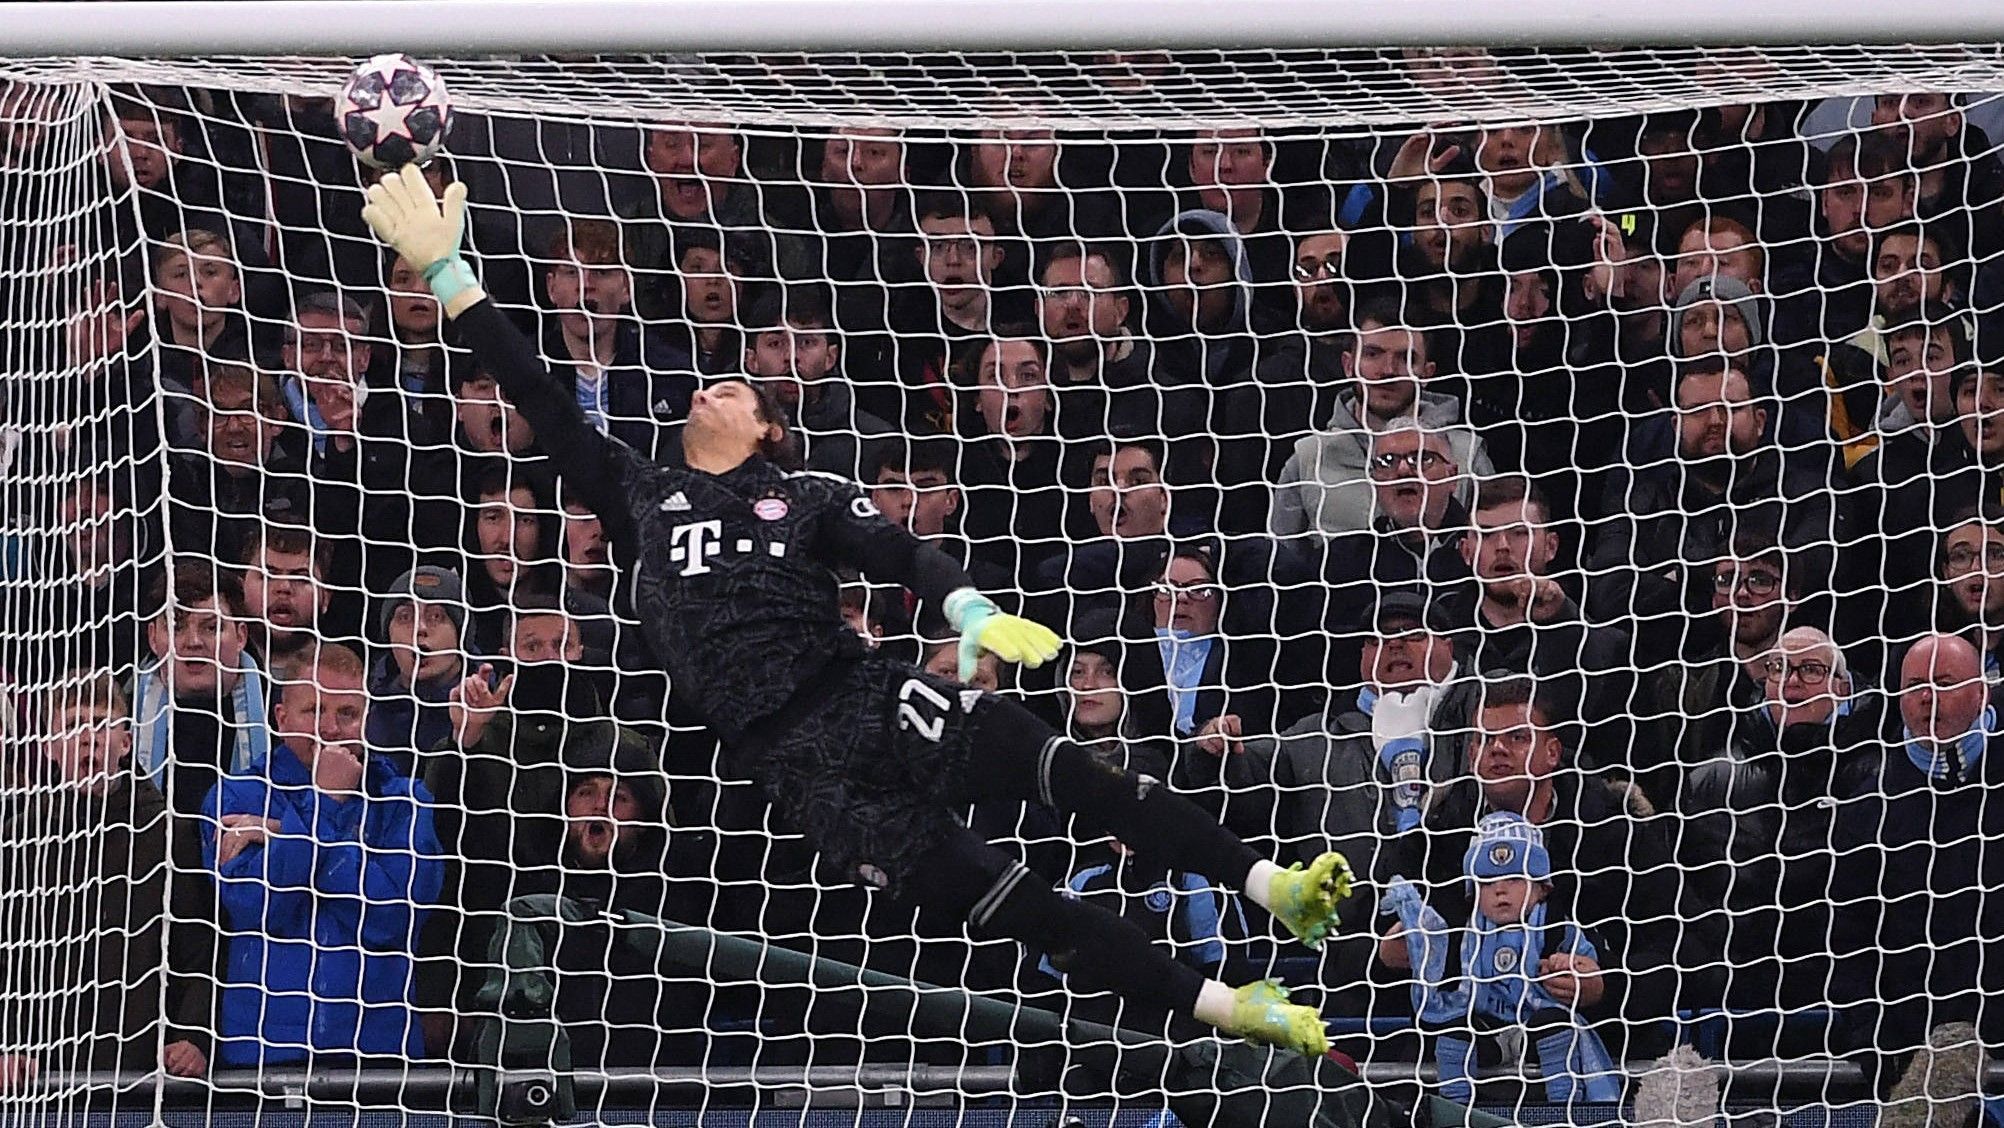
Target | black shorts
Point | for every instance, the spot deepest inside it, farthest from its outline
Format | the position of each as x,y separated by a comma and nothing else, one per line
872,765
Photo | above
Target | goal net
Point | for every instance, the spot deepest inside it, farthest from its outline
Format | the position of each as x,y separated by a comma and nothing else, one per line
1568,482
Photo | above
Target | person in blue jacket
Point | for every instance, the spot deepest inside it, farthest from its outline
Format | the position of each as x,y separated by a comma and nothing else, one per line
325,859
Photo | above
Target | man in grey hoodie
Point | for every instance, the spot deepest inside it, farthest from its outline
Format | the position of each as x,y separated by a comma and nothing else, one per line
1326,488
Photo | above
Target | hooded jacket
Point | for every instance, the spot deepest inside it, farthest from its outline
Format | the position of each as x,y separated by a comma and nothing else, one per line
324,916
1326,486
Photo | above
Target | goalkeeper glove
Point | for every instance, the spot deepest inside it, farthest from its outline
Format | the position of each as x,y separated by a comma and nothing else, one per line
983,626
422,228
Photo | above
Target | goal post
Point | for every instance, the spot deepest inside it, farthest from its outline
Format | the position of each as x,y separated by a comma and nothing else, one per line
1323,372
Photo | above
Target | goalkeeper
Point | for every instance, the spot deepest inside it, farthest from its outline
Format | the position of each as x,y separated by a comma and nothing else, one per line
733,562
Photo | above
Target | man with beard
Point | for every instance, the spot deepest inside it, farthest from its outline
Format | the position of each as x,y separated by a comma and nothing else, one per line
1756,846
1953,166
792,346
1517,617
1910,271
1710,696
1104,376
1326,486
1300,374
286,598
1970,599
1729,473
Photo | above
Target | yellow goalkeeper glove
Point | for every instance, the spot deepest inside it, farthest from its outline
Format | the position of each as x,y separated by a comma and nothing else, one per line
424,229
983,626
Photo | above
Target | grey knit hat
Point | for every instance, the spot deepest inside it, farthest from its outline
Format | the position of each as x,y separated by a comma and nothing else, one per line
1727,291
433,585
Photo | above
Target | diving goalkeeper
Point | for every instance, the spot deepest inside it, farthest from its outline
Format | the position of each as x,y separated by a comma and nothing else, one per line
732,562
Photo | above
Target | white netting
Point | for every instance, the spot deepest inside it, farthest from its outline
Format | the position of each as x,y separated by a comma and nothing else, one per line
1317,397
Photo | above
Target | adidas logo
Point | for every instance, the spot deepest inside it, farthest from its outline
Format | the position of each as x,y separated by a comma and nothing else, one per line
663,407
676,503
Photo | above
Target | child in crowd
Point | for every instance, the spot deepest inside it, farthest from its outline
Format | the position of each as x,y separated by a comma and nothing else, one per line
1498,984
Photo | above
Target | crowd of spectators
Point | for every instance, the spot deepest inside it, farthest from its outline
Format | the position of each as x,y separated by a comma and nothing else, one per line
1642,478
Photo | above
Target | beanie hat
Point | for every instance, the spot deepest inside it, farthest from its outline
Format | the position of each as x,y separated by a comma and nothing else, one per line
433,585
1726,291
1507,846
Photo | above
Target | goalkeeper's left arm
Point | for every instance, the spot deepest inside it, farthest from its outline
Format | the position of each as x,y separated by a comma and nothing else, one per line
858,536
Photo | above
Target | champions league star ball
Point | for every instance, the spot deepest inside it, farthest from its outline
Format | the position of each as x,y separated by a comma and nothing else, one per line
393,110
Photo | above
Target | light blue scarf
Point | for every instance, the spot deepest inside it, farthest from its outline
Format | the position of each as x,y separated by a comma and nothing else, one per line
1183,658
153,720
1960,764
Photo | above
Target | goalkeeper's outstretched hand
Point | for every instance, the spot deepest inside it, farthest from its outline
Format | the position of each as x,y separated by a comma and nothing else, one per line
983,626
425,229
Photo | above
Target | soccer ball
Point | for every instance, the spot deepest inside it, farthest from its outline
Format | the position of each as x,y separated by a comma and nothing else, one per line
393,110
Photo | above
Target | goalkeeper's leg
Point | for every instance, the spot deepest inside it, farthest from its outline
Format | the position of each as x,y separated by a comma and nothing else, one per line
1018,756
999,896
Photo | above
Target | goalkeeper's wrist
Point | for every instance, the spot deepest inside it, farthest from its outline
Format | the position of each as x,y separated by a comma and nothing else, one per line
966,607
450,277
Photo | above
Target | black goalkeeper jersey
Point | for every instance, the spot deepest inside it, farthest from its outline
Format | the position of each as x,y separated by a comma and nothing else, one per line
732,574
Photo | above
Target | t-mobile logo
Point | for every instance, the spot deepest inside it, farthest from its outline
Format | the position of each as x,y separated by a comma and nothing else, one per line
693,545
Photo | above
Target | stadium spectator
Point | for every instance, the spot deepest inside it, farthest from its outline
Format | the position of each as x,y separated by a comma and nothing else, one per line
509,541
1351,778
928,325
713,277
791,342
862,211
197,307
503,798
1103,375
1718,246
1451,268
157,193
1729,473
1034,186
424,626
1232,175
88,613
1519,619
1215,647
422,361
250,462
1524,969
913,486
1011,462
1611,870
1758,814
1326,488
198,703
587,563
1107,702
1712,693
1863,190
631,382
700,189
942,660
488,423
359,459
326,864
1917,871
1969,601
93,850
1951,164
1199,284
1417,523
287,600
1135,507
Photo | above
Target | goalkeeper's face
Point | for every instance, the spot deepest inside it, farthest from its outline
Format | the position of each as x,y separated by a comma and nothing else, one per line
727,417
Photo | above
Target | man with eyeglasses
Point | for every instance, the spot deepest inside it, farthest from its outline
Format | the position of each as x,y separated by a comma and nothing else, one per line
1105,377
1756,845
1920,866
1971,600
1715,692
1326,486
1728,472
1416,528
